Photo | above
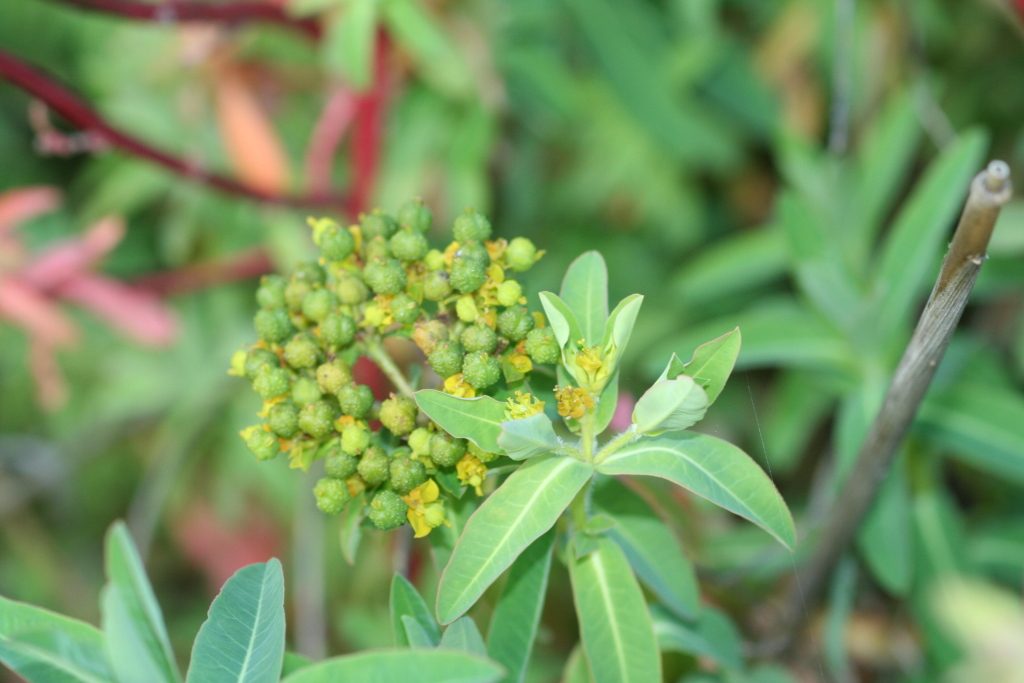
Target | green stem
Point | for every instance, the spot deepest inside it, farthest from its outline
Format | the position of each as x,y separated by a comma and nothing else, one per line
587,434
578,506
375,350
615,444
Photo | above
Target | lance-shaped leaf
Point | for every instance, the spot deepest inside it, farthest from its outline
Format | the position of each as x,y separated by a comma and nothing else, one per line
561,318
615,625
607,402
415,634
464,635
517,615
650,546
713,469
528,436
401,666
40,645
135,637
242,640
670,405
407,602
713,635
351,529
477,419
711,365
621,321
585,292
523,508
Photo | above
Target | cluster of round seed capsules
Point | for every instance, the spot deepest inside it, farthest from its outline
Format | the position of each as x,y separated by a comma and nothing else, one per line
376,280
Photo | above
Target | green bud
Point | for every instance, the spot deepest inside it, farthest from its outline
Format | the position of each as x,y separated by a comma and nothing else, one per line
474,251
509,292
305,391
416,215
520,254
331,377
470,225
387,510
398,414
515,323
407,474
419,441
374,466
339,464
351,290
479,337
468,275
466,310
338,329
378,224
336,243
317,419
434,260
377,248
542,346
405,309
256,358
331,495
355,400
479,453
263,445
295,293
273,325
318,304
271,382
301,352
446,359
385,276
270,293
409,244
446,450
355,439
284,419
310,272
436,286
481,370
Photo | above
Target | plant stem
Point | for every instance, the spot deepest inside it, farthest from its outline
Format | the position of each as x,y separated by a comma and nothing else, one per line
375,350
615,444
990,190
578,506
587,435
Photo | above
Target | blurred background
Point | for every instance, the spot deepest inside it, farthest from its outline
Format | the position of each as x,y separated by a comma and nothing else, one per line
793,167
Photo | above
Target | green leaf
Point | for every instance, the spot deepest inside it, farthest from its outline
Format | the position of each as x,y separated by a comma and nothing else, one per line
561,318
585,292
242,640
712,636
348,46
607,402
614,622
577,668
712,363
351,529
401,666
885,538
136,641
523,508
434,53
45,647
713,469
415,634
670,405
292,663
650,546
517,614
841,598
910,253
464,635
528,436
477,419
406,601
621,321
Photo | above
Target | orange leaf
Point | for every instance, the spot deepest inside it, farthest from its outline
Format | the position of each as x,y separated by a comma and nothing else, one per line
253,146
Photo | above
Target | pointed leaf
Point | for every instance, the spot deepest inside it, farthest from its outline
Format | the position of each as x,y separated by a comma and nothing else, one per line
577,669
523,508
886,536
585,292
348,46
650,546
242,640
607,403
714,636
407,601
517,615
136,641
43,646
713,469
477,419
351,529
561,318
529,436
464,635
621,321
415,634
292,663
670,405
615,625
400,666
712,363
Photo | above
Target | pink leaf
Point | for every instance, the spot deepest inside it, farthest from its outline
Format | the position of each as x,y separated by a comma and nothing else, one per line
68,259
38,315
140,315
19,205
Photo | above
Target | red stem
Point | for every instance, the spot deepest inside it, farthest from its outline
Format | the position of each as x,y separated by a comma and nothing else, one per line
172,11
240,266
367,130
78,114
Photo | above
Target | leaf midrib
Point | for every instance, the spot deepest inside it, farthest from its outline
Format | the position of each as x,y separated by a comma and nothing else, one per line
255,624
602,582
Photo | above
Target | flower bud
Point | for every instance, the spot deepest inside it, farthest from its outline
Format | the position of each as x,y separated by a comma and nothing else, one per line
309,272
271,382
338,329
355,400
436,286
419,441
378,224
301,352
446,450
355,439
509,293
270,293
331,377
351,289
273,325
318,304
256,358
374,466
471,225
474,251
339,464
305,391
409,244
317,419
434,260
387,510
479,453
385,276
336,243
295,293
331,495
515,323
429,334
466,310
416,215
542,346
377,248
398,414
283,419
407,474
405,309
446,360
521,254
467,275
263,444
479,337
480,370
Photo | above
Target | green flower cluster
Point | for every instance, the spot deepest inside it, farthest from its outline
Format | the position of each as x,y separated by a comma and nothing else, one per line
377,280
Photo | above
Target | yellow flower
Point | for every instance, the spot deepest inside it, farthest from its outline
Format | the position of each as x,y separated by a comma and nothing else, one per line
449,253
472,472
496,249
425,511
348,421
378,314
457,386
238,363
521,362
589,358
268,404
573,402
523,405
539,320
